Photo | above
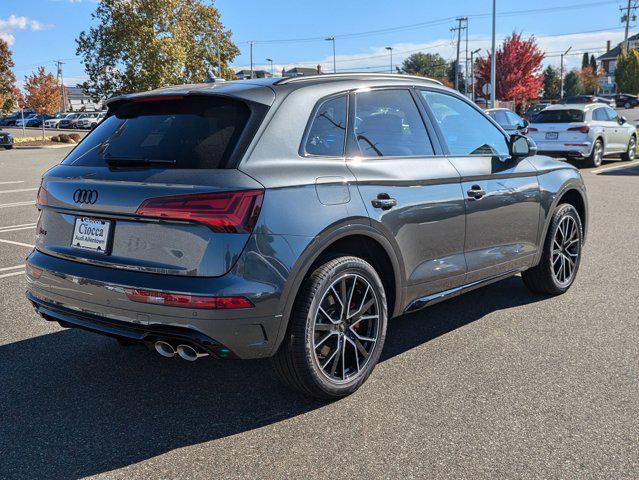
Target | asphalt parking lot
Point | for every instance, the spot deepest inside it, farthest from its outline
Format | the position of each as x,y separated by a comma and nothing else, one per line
498,383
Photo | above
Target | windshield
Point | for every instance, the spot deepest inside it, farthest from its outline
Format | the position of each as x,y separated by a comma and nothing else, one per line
190,132
560,116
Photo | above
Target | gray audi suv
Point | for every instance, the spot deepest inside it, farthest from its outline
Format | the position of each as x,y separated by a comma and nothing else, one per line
292,218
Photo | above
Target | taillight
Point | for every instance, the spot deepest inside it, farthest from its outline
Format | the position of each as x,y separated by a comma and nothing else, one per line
583,129
532,129
229,212
43,196
187,301
33,272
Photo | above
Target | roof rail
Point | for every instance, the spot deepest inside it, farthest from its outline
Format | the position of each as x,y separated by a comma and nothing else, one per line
338,76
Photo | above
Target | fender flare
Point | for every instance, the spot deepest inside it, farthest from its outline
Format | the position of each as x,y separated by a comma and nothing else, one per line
317,246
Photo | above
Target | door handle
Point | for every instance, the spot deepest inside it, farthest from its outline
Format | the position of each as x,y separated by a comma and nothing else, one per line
476,192
384,201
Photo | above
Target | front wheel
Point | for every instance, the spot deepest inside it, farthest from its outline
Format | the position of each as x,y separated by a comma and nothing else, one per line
631,153
336,332
561,255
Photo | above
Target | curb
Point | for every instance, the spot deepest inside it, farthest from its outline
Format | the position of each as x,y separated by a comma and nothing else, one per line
38,147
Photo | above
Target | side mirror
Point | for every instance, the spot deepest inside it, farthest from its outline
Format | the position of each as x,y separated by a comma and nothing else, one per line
623,120
521,147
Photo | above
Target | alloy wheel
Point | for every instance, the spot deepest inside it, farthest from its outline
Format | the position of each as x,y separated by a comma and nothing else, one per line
566,249
598,153
632,148
346,328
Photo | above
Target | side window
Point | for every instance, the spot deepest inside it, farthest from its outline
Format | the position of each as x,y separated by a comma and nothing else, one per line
328,129
599,115
501,118
611,114
388,124
515,119
466,131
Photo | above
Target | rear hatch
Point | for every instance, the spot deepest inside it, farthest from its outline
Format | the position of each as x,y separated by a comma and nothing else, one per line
153,188
559,127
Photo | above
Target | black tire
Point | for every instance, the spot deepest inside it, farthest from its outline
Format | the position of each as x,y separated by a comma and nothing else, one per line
626,105
298,362
631,153
543,278
8,147
596,157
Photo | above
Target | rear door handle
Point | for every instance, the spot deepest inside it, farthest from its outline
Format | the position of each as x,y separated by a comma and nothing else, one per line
476,192
384,201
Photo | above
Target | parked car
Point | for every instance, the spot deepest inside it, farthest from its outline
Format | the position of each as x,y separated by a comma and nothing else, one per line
533,110
88,121
25,121
292,218
6,140
37,121
54,122
586,133
9,120
579,99
625,100
67,122
75,123
508,120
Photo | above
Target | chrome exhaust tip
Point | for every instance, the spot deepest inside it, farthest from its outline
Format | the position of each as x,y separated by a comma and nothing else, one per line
164,348
188,353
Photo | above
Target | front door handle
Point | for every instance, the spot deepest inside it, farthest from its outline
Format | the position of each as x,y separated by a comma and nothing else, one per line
476,192
384,201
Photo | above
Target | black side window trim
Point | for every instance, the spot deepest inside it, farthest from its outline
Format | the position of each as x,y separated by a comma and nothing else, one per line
433,120
309,124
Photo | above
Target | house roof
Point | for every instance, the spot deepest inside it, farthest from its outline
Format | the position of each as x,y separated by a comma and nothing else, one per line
614,53
303,70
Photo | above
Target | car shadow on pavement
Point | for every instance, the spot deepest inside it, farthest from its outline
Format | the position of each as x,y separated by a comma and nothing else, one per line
76,404
630,171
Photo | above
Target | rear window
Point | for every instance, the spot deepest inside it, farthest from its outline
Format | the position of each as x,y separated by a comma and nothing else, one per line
559,116
194,132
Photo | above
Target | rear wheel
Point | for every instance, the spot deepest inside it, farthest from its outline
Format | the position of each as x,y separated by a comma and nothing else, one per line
631,153
8,147
596,157
336,331
561,256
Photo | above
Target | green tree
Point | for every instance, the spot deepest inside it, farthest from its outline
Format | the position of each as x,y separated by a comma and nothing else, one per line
572,84
8,99
627,72
552,84
139,45
430,65
585,61
451,75
593,63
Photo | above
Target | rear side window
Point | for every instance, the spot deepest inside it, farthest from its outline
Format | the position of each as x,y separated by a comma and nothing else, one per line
560,116
328,129
599,114
388,124
192,132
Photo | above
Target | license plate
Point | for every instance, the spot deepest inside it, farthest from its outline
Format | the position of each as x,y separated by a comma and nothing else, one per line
552,135
91,234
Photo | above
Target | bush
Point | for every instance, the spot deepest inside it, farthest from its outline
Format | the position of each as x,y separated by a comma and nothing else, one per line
55,138
64,138
75,137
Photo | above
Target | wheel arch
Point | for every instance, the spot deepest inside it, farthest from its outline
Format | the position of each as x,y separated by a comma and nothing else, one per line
357,239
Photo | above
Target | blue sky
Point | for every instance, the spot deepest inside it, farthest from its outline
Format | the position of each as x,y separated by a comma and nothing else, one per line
41,31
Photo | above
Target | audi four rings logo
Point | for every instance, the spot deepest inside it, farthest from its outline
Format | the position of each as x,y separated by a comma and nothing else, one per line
85,196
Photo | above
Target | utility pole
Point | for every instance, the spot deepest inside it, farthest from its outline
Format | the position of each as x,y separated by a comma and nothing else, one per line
561,73
472,73
270,60
332,39
493,59
251,45
627,18
390,49
466,60
458,29
219,57
59,64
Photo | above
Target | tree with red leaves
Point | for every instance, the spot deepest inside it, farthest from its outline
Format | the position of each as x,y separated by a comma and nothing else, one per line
519,74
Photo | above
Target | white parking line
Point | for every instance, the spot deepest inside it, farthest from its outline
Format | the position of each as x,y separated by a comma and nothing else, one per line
12,274
16,204
17,190
17,267
13,182
15,228
616,167
20,244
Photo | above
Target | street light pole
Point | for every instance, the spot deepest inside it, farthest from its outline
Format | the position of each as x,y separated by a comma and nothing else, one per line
472,73
332,39
270,60
561,73
251,44
390,49
493,59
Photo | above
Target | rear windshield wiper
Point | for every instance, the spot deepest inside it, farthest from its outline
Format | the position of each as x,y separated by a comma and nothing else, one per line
135,161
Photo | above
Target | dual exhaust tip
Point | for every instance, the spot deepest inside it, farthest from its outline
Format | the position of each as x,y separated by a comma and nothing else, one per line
187,352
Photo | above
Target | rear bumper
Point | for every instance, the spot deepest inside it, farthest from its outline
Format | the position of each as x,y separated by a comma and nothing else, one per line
93,298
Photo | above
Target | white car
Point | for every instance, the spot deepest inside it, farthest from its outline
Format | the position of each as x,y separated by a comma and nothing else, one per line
55,121
90,121
584,132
